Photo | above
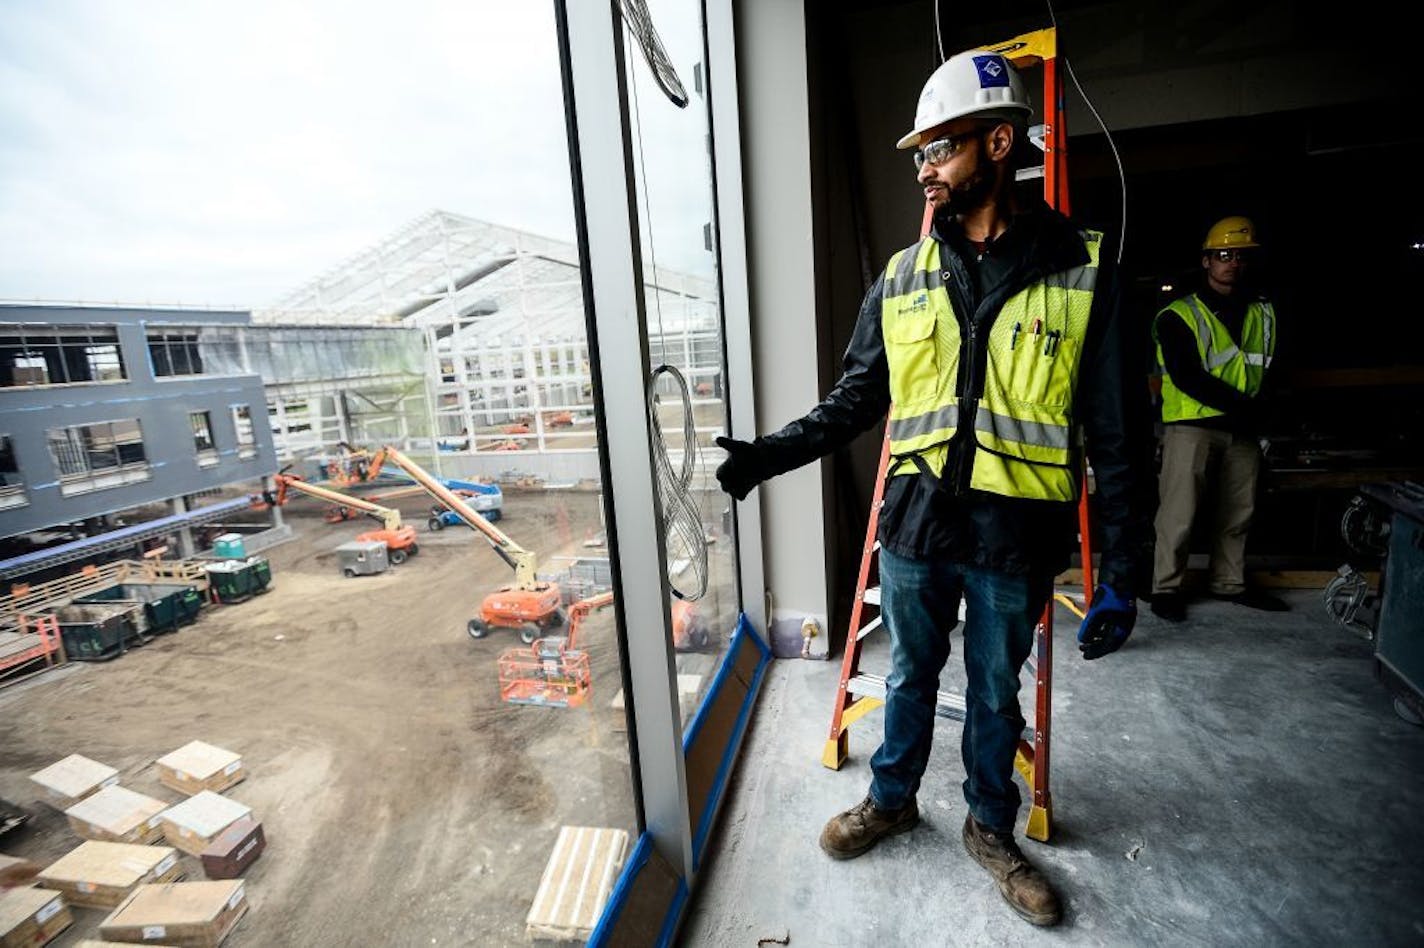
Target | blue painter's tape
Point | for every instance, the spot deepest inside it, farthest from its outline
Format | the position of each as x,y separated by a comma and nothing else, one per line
993,71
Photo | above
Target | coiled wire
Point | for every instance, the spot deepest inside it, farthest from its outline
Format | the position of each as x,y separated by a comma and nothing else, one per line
684,537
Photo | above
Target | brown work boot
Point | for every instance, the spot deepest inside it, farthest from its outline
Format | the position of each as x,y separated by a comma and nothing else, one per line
1025,888
853,832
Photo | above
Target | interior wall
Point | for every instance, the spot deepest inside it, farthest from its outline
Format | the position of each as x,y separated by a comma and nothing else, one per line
788,360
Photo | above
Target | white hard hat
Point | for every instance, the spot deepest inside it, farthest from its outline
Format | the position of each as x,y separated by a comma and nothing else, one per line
974,82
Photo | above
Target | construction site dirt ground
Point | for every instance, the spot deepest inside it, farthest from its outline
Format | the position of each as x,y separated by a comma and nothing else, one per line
403,802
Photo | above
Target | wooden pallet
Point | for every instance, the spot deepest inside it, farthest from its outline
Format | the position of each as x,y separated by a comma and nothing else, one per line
577,882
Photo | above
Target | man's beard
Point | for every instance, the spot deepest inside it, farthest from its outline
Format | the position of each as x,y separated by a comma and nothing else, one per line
970,195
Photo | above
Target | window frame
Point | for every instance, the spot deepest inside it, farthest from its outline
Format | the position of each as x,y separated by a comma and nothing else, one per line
74,447
205,456
97,347
246,443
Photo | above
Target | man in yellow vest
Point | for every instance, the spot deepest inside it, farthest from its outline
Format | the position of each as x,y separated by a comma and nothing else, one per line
1215,346
996,346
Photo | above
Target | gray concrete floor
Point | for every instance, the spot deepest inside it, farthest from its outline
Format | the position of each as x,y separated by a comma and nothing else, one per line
1239,779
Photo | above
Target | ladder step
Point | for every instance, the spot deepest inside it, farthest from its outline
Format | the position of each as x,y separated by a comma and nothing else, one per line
1028,174
869,627
947,703
872,595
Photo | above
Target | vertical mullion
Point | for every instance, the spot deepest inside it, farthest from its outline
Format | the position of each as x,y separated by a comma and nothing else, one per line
596,106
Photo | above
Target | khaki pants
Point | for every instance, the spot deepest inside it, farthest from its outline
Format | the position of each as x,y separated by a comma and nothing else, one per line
1190,456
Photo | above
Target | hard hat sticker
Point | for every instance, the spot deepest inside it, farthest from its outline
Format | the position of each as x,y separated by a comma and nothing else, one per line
993,72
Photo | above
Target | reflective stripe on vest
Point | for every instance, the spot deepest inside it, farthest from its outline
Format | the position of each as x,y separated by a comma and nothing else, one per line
1024,435
1242,366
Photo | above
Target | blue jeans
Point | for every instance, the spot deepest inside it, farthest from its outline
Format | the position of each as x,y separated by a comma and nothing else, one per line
919,604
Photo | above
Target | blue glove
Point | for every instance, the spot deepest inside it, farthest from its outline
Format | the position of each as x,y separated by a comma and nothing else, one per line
1108,623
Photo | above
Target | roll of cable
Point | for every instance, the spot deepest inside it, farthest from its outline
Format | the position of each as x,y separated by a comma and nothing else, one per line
684,536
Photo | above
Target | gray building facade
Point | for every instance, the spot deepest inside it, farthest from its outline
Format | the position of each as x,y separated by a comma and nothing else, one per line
104,409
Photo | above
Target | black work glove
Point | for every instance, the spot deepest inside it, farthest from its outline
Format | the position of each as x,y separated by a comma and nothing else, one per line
1108,623
744,468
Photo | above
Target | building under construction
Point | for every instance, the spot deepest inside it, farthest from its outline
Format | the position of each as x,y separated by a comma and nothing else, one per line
505,340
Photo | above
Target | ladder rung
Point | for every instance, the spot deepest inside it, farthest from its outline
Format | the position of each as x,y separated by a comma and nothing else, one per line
1028,174
947,703
872,595
869,627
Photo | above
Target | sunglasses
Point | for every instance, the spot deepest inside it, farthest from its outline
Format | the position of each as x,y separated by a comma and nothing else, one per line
1226,256
941,150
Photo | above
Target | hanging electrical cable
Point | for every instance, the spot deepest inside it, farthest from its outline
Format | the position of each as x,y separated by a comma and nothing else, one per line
939,37
684,539
1121,172
640,24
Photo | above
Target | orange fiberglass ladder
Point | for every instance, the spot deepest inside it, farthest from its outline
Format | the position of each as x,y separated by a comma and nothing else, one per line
860,693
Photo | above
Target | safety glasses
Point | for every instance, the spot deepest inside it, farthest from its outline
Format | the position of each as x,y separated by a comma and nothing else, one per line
1226,256
942,149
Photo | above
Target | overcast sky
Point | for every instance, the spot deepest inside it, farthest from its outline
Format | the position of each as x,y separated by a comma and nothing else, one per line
219,153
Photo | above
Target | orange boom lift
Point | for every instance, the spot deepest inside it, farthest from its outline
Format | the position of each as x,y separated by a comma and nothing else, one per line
527,605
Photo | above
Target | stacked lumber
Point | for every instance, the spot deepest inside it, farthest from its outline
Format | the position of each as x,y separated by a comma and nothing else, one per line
190,914
66,782
199,766
117,815
31,917
101,875
195,823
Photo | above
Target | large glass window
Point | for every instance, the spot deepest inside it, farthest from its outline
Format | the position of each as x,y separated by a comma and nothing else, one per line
684,331
461,700
96,456
59,355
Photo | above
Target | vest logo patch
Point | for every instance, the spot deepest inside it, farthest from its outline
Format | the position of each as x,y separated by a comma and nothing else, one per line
919,301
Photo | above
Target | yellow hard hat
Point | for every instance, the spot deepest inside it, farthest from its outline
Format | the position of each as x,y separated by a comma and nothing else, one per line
1231,233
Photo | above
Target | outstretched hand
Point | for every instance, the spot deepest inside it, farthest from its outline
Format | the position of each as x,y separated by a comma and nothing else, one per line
743,469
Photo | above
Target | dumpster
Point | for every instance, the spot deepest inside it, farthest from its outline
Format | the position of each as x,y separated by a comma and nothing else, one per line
230,546
97,631
362,557
231,580
166,605
261,573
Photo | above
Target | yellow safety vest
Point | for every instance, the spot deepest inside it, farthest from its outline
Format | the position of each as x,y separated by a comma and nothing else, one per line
1023,420
1240,366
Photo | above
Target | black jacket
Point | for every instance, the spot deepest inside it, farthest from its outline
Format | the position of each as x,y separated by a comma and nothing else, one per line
922,517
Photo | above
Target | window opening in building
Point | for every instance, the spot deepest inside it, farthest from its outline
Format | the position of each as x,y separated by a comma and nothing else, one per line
246,439
100,455
175,351
202,425
59,355
12,486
